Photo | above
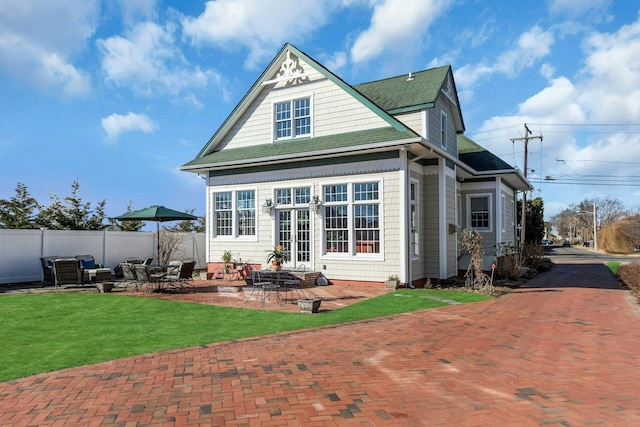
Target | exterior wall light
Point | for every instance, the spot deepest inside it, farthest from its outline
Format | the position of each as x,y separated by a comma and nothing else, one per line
315,204
268,206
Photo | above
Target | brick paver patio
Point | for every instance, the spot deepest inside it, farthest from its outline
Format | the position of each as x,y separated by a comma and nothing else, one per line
562,351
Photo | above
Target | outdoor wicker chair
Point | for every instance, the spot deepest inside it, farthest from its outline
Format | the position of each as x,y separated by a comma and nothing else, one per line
67,271
47,270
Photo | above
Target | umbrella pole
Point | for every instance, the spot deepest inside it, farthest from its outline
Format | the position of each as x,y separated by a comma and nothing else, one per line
158,237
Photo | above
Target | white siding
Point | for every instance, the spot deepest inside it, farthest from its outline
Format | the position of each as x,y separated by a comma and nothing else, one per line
412,120
375,268
334,111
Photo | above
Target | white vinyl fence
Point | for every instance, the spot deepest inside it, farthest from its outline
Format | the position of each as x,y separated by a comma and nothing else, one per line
20,250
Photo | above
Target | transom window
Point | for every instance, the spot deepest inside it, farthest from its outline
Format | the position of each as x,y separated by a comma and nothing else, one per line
234,213
352,218
293,118
293,196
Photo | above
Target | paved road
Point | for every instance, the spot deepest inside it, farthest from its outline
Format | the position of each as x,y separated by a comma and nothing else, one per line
582,255
564,350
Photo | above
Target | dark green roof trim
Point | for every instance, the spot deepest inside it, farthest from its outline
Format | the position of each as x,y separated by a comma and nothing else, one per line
412,108
427,162
309,163
478,157
491,179
298,147
249,96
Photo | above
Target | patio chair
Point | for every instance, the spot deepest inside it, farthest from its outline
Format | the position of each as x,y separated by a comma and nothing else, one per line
181,277
129,275
47,270
145,277
262,283
67,271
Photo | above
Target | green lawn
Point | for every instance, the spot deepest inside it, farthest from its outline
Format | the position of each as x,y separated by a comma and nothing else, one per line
614,266
48,332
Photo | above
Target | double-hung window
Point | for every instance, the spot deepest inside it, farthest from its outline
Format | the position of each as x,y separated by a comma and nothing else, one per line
293,118
479,212
443,130
234,213
336,218
352,218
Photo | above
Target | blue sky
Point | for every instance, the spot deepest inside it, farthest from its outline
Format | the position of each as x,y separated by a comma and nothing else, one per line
118,94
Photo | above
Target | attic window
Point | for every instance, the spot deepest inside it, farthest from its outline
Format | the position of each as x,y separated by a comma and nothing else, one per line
292,118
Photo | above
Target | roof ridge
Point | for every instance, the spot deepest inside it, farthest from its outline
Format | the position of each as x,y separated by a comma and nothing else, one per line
402,75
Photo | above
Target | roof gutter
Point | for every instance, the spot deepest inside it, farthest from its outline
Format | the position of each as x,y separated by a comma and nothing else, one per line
471,170
307,155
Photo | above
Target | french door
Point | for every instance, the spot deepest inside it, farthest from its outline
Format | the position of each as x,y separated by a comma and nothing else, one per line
294,234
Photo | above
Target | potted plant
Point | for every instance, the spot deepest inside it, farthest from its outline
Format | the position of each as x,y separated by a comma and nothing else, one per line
226,258
277,256
392,282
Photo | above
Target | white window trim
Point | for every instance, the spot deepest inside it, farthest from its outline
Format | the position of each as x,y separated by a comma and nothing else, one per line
234,216
459,210
503,214
491,213
274,129
443,131
415,246
351,254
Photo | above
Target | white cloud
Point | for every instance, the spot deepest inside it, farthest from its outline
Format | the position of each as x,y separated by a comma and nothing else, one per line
259,25
335,62
532,45
573,8
148,62
38,38
567,113
611,85
396,24
133,11
115,124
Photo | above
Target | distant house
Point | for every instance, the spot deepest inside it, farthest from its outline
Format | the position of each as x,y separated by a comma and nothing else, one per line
358,182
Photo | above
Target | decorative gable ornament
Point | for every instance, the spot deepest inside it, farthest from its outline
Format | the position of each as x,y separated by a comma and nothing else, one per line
289,70
447,89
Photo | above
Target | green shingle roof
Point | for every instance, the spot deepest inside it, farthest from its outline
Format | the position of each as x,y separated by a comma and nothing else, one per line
299,146
478,157
397,93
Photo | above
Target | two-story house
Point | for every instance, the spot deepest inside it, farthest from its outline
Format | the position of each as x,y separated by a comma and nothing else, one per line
358,182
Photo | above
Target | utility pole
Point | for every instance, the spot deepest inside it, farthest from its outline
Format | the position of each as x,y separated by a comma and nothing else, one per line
525,139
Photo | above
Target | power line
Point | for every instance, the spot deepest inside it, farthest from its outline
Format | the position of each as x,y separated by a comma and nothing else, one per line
586,124
525,139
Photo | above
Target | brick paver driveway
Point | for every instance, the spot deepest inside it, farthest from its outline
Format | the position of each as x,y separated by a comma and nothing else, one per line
561,351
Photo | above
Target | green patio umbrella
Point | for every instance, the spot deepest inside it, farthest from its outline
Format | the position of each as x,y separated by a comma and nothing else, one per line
158,214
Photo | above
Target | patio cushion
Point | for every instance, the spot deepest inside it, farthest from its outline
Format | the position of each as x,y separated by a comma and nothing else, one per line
88,263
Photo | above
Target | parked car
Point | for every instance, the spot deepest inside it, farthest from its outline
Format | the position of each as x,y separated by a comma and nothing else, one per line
586,244
566,243
545,242
637,249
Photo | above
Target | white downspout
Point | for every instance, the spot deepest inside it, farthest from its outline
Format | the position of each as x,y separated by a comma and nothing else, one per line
499,209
